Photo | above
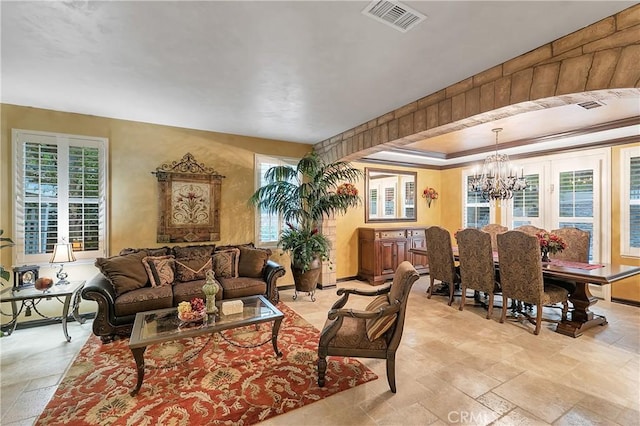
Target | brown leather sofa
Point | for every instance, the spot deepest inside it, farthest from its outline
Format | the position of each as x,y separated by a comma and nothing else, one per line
140,280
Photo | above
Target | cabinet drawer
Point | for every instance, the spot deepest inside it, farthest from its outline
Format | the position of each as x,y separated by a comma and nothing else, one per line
392,234
417,233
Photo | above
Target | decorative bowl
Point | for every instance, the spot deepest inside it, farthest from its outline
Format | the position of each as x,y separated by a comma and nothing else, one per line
193,316
43,283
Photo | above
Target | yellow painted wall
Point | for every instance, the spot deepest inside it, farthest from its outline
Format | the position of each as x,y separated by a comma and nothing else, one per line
135,150
628,289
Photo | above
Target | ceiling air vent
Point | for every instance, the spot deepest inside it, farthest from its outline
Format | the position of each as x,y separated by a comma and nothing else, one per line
394,14
590,104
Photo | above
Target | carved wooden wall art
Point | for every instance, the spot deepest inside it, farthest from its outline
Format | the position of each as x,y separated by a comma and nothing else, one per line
189,201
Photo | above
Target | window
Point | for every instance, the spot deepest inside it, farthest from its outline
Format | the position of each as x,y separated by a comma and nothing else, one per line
60,183
268,226
390,201
477,210
409,197
630,202
526,204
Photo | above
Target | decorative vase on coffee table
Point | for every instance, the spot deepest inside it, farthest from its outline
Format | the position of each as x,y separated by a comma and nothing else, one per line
210,289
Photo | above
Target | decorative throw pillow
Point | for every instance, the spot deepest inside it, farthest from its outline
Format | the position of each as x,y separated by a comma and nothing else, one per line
376,327
225,263
193,252
192,269
252,262
125,273
159,269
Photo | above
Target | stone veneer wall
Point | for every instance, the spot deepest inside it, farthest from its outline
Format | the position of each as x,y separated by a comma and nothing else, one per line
597,62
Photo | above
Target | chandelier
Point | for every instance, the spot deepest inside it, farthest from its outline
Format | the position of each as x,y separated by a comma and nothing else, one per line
499,179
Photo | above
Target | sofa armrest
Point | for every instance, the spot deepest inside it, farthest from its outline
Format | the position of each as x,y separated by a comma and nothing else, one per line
100,290
271,273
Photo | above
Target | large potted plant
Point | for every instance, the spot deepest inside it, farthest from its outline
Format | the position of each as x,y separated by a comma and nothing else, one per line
303,196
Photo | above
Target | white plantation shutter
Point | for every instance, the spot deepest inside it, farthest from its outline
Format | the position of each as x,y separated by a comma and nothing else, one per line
268,226
477,210
630,202
526,204
60,183
409,197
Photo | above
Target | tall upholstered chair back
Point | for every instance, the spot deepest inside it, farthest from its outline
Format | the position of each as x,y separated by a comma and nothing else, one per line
521,274
577,245
494,229
529,229
441,263
477,268
374,332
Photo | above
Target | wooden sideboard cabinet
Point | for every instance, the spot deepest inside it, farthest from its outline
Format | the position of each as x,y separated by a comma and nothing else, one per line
381,250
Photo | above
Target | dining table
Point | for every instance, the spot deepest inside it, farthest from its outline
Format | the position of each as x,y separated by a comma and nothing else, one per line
581,317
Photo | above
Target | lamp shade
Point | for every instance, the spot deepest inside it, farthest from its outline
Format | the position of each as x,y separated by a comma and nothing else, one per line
62,253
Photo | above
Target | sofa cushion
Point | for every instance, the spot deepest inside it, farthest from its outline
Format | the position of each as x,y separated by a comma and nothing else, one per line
376,327
159,269
232,288
154,251
192,269
184,292
252,261
143,299
125,273
225,263
200,251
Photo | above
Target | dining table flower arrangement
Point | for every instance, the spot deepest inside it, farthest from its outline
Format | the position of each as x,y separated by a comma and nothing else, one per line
550,244
430,194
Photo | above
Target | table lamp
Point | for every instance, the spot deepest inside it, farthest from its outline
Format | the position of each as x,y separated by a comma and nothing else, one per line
62,253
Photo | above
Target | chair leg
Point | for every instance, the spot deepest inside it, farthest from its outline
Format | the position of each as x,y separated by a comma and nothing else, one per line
452,289
322,369
391,371
505,299
463,297
490,307
565,309
430,290
538,319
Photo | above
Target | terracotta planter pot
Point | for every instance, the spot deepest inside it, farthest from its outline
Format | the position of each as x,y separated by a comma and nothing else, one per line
307,281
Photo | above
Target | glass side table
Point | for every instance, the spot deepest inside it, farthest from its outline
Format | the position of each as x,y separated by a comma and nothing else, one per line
28,299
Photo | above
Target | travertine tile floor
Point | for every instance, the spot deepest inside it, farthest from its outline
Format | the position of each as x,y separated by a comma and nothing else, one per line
452,368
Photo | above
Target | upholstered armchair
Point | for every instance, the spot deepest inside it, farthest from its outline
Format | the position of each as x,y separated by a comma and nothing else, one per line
374,332
521,275
494,229
442,266
477,268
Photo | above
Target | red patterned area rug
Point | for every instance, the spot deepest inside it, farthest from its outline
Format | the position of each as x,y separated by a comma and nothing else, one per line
201,381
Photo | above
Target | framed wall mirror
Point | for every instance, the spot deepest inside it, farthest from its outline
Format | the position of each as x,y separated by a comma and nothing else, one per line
390,196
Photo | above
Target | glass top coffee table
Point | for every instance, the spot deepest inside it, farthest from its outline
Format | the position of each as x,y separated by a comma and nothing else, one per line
163,325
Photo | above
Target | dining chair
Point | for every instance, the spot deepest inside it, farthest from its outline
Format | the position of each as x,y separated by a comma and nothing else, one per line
577,251
577,244
477,268
442,265
494,229
529,229
374,332
521,275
